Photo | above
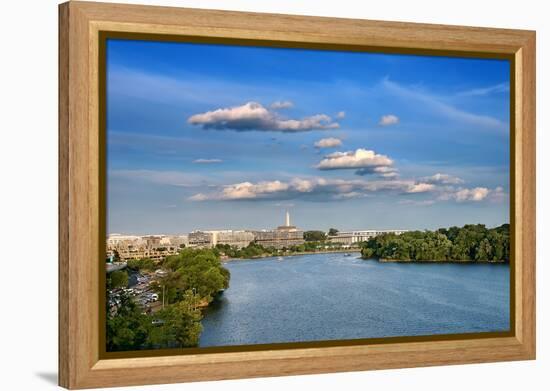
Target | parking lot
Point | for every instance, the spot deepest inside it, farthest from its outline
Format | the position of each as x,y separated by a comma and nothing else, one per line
139,288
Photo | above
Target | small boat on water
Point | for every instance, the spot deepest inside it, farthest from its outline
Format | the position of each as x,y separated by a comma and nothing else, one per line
280,258
347,255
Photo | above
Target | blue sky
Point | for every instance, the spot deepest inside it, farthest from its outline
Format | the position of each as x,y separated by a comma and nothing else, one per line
213,136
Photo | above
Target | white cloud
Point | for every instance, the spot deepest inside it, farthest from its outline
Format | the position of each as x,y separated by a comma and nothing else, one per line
330,142
420,188
444,179
498,88
282,104
475,194
441,107
244,190
360,158
326,189
303,185
383,171
207,161
498,194
389,119
317,188
254,116
200,197
351,194
341,115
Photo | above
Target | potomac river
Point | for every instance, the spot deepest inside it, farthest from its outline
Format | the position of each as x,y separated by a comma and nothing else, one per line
332,296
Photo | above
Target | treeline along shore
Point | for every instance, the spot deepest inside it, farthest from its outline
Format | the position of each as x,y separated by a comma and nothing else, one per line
469,244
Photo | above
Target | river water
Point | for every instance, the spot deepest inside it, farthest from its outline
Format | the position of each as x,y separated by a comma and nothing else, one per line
330,296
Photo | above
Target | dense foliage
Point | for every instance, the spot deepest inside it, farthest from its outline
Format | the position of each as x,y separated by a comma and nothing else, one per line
253,250
141,264
469,243
117,279
188,280
198,270
178,325
314,236
129,329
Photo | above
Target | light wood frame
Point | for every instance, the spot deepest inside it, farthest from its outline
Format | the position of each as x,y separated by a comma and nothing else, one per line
80,170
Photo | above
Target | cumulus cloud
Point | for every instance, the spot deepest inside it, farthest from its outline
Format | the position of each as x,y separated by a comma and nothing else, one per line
360,158
347,196
475,194
254,116
498,194
282,104
207,161
420,188
341,115
330,142
244,190
444,179
314,188
382,171
389,119
365,162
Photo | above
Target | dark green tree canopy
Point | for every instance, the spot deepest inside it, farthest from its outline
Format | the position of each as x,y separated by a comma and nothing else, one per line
332,232
314,236
118,279
469,243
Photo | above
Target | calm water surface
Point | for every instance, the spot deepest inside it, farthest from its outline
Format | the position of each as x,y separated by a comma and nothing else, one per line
330,296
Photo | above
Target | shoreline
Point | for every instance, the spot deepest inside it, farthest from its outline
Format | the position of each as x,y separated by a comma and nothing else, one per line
466,261
293,254
357,251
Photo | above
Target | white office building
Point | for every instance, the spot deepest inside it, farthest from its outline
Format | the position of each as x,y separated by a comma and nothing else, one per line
352,237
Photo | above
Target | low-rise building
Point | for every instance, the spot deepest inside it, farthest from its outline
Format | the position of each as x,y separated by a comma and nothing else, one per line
283,236
201,239
136,247
204,239
354,237
238,239
179,240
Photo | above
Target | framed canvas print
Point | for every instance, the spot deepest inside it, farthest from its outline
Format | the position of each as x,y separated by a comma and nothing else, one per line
247,195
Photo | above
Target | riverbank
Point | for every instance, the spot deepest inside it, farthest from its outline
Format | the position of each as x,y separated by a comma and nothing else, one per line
294,254
385,260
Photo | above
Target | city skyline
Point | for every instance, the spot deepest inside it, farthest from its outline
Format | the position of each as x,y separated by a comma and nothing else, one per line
224,137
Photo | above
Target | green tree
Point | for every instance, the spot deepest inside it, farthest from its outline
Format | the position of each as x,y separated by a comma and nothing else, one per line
128,328
179,324
118,279
484,251
473,242
141,264
198,270
314,236
367,253
332,232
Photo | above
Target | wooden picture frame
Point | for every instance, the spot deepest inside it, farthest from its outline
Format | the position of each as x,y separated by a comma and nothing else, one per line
81,168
